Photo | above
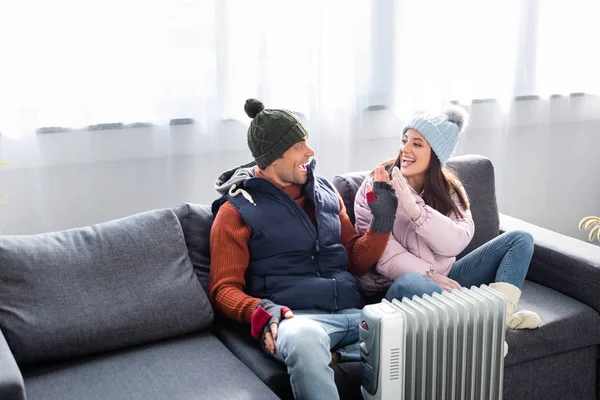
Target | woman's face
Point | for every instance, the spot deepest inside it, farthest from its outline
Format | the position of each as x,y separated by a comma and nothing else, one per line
415,154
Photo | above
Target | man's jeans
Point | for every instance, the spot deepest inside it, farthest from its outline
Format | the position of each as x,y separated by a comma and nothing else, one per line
503,259
304,343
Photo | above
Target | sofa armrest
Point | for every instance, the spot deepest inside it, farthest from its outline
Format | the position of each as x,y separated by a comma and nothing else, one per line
567,265
12,386
236,337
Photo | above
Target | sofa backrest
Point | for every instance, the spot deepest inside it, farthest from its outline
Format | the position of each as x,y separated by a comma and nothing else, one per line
477,176
196,221
98,288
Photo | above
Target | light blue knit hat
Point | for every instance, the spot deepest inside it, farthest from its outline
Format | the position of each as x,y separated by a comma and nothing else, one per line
441,131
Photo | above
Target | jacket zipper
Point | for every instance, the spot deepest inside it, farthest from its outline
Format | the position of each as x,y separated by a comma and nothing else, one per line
335,294
317,250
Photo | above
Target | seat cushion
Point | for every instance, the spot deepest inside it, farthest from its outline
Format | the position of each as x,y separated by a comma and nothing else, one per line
477,176
196,221
191,367
237,338
570,375
98,288
567,325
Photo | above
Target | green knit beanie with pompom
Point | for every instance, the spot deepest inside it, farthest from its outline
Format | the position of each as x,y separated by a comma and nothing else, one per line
271,132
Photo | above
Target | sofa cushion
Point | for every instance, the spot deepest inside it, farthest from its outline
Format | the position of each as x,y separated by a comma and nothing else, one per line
477,176
98,288
570,375
347,185
237,338
197,366
196,221
566,325
476,173
11,381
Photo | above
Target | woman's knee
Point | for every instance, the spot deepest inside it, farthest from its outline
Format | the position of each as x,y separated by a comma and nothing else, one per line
409,285
410,279
521,237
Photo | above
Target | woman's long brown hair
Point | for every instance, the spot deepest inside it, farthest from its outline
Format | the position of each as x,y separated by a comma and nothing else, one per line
437,185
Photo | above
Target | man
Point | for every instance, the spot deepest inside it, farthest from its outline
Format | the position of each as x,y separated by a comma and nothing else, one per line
284,252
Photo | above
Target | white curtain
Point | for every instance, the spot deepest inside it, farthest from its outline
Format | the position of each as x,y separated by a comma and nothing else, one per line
455,50
74,63
69,63
567,37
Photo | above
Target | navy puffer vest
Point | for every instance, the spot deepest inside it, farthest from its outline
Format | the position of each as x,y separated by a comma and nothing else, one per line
292,263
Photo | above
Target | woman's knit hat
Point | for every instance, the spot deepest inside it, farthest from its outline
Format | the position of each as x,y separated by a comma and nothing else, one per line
441,131
271,132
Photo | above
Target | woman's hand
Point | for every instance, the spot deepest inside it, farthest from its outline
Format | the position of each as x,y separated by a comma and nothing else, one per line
445,283
382,201
405,197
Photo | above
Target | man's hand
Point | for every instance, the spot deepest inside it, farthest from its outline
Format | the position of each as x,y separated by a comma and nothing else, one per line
445,283
265,320
382,201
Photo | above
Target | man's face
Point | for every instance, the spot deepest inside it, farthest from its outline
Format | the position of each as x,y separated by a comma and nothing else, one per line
291,167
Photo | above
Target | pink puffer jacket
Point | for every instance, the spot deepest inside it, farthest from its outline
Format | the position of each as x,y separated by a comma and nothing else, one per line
428,245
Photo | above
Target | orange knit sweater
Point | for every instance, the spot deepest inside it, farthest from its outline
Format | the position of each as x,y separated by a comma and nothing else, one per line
230,255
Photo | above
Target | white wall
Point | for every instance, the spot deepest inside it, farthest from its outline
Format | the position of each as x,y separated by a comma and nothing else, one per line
545,153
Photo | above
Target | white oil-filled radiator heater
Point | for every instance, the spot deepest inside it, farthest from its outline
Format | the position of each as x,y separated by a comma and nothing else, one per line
446,346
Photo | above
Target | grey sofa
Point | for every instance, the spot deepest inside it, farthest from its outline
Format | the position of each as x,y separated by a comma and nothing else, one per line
119,311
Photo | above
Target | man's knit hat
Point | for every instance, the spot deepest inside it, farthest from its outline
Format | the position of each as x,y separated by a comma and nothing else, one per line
271,132
441,131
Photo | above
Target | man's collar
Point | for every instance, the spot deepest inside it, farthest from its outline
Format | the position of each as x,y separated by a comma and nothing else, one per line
294,190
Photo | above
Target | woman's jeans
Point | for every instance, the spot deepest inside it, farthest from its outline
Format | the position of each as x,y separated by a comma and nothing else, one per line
503,259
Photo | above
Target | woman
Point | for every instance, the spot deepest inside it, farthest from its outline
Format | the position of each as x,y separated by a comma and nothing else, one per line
434,224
